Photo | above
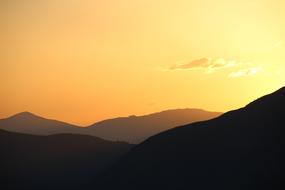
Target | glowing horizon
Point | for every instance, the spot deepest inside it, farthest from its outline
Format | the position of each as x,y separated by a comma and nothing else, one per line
85,61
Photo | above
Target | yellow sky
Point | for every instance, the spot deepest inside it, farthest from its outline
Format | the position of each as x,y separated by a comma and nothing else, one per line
82,61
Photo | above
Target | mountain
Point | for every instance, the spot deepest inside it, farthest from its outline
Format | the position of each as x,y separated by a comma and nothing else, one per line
65,161
135,129
242,149
29,123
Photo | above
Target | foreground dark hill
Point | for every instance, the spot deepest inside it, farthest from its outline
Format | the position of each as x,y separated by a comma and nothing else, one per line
29,123
54,162
242,149
135,129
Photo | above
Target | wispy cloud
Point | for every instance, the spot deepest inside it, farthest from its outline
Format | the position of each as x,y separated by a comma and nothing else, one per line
208,64
246,72
231,68
278,44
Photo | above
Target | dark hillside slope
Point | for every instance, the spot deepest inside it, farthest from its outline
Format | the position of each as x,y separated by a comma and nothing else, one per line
54,162
242,149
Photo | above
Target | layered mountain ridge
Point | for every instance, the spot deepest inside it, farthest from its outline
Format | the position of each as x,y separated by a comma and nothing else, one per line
133,129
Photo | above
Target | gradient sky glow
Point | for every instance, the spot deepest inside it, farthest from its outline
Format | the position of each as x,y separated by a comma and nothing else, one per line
82,61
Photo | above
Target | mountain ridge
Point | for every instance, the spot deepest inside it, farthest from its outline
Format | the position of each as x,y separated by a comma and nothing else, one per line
151,114
133,129
30,123
241,149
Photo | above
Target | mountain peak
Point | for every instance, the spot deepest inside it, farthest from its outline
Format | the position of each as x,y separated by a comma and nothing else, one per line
27,122
25,114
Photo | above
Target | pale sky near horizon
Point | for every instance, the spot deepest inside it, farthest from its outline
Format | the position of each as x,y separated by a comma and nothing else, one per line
81,61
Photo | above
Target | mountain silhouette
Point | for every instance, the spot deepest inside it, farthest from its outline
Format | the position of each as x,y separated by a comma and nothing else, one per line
242,149
64,161
135,129
29,123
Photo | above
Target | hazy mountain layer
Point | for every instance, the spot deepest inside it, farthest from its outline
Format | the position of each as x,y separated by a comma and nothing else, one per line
132,129
29,123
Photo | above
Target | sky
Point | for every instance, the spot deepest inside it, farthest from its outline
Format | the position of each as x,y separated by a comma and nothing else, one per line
82,61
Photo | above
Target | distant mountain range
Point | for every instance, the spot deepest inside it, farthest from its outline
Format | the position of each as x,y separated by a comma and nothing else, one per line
136,129
65,161
133,129
30,123
242,149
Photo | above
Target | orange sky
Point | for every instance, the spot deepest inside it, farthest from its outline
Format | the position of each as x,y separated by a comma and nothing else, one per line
84,61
